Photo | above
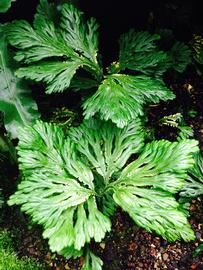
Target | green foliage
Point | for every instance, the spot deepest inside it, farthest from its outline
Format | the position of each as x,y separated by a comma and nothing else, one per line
180,56
53,52
7,149
126,96
43,46
10,261
65,177
186,132
194,185
16,101
197,47
139,51
73,178
198,250
177,121
172,120
92,262
5,5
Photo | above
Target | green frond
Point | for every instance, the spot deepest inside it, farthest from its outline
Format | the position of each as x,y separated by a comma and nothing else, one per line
172,120
106,147
160,158
176,120
81,36
37,44
198,250
91,225
68,181
71,252
138,51
57,189
74,232
67,47
47,10
180,55
57,75
145,187
194,185
186,132
155,210
92,262
126,96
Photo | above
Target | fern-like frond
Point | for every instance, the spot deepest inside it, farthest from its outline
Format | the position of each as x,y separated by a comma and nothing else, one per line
57,189
92,262
106,147
81,36
139,51
180,56
126,96
156,211
145,187
66,179
160,158
172,120
194,185
68,46
186,132
57,75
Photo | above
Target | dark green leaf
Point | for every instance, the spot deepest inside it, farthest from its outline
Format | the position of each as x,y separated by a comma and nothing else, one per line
5,5
180,55
138,51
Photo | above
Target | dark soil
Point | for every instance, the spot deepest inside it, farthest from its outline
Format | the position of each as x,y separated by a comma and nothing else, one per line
126,248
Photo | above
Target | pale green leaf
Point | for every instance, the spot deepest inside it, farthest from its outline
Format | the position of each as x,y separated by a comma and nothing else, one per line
81,36
155,210
91,225
92,262
70,252
144,188
162,165
35,45
107,147
194,185
57,189
16,101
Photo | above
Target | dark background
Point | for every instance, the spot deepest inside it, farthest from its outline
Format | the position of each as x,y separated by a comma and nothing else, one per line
184,17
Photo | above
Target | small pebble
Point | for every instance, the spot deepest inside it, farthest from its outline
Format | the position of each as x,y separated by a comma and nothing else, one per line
165,256
102,245
67,267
